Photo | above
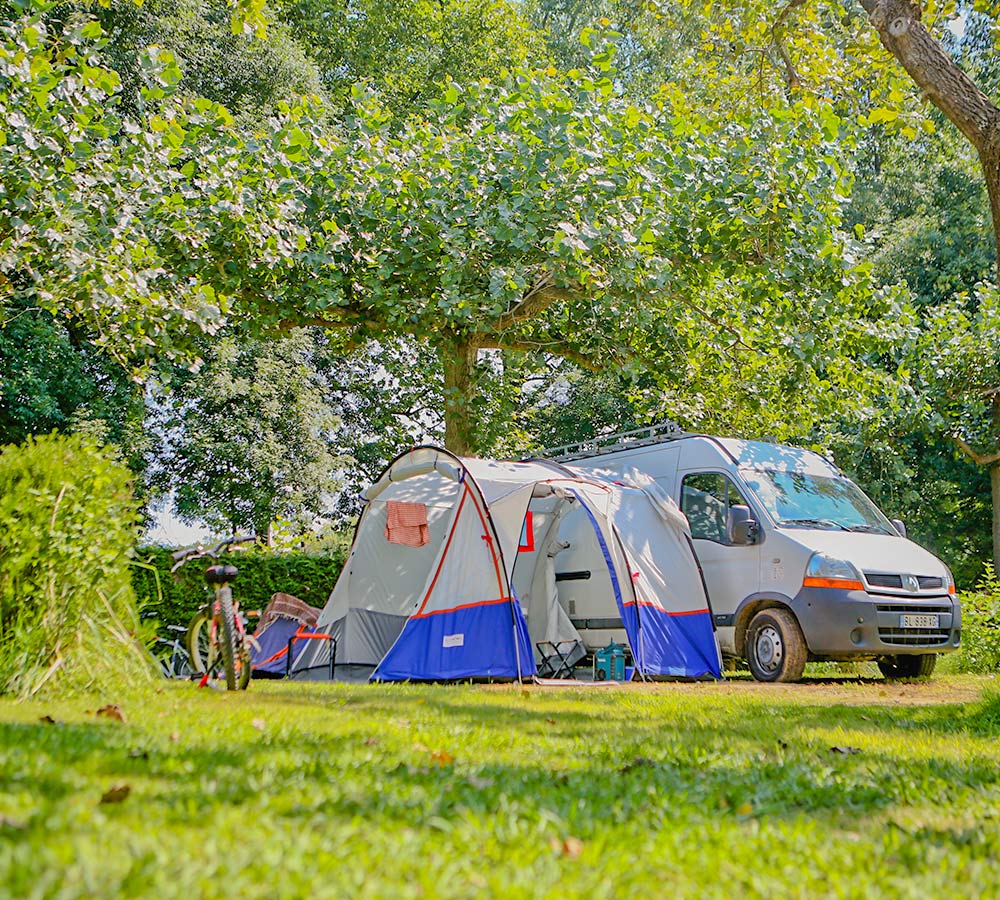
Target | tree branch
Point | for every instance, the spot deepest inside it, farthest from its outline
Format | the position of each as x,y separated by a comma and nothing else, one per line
980,459
935,73
792,79
539,297
556,348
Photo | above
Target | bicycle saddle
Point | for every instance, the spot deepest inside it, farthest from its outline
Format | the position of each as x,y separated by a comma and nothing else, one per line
220,574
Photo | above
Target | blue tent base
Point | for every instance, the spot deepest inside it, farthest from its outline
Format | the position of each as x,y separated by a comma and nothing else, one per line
488,641
678,645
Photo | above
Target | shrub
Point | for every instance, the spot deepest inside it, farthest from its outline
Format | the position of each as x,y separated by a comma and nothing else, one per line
67,530
174,599
980,650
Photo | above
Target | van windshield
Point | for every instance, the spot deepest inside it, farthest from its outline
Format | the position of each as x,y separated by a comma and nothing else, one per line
798,500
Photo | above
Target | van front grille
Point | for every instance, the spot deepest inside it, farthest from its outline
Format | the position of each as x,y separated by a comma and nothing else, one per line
895,635
913,608
876,579
895,582
913,637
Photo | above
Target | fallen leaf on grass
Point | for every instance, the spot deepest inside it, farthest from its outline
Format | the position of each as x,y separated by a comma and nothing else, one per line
48,720
745,809
116,794
258,724
442,758
846,751
370,742
175,736
638,763
551,721
111,711
570,847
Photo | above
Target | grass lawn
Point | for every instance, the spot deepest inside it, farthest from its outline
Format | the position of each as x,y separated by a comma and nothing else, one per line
836,788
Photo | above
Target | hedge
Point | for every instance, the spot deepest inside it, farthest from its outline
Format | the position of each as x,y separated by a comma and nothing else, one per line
68,526
174,599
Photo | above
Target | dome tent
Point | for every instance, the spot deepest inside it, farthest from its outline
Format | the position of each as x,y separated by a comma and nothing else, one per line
451,574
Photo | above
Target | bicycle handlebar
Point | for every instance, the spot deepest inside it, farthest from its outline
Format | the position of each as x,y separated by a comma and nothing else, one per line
198,550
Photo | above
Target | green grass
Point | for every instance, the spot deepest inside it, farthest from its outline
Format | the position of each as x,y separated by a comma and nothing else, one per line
295,790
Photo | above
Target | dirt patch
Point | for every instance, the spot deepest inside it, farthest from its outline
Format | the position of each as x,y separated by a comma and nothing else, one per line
848,691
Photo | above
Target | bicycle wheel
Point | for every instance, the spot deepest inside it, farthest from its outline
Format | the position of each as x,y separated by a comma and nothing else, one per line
198,640
243,671
226,636
181,663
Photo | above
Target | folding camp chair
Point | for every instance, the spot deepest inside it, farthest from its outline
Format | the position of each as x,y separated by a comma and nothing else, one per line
556,661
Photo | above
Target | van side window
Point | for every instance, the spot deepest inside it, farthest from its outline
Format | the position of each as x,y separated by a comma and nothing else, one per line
705,500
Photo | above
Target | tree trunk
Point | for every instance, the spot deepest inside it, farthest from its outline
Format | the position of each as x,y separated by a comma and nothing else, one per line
458,361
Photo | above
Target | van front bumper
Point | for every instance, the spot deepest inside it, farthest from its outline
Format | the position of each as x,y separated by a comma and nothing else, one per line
842,623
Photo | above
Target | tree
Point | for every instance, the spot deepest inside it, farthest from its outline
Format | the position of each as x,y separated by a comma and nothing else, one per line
248,75
248,440
973,399
957,363
51,376
573,222
404,49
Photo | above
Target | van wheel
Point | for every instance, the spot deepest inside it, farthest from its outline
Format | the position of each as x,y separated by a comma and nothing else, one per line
776,650
919,666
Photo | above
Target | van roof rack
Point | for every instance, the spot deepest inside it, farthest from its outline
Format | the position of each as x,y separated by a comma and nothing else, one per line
621,440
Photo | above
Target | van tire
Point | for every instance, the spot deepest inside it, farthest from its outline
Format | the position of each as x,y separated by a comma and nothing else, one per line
775,647
919,666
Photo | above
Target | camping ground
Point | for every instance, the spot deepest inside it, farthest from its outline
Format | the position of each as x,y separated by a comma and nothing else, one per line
837,787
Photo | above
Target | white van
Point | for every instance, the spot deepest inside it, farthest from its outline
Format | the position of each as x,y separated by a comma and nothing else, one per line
799,564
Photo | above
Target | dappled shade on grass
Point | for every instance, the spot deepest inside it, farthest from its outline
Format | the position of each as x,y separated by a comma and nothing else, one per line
404,791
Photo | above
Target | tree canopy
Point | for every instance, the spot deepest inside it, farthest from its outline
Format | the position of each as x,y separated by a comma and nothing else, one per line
513,230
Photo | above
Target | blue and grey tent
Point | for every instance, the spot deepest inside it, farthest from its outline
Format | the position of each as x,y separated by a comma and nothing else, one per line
453,575
284,618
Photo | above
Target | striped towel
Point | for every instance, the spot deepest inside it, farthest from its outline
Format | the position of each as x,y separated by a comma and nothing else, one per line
406,523
289,607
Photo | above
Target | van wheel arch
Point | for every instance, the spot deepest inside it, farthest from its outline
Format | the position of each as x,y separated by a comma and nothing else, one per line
750,607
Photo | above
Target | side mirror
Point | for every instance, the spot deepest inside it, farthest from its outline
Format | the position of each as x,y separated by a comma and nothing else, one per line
899,526
741,527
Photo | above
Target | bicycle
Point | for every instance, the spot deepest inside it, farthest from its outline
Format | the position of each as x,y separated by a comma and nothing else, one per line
173,657
217,641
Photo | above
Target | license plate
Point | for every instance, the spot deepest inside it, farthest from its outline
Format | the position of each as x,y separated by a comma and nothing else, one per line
911,620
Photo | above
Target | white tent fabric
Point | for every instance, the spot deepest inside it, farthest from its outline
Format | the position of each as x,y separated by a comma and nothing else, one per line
481,594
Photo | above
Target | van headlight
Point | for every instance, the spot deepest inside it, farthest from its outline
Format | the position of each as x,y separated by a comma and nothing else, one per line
828,572
949,581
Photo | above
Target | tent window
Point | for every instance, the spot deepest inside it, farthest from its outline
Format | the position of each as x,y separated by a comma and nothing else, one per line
527,542
705,499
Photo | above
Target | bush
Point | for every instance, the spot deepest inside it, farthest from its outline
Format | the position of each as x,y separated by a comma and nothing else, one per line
174,599
980,650
67,530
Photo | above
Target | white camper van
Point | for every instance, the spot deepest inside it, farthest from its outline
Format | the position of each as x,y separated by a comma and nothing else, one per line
799,564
